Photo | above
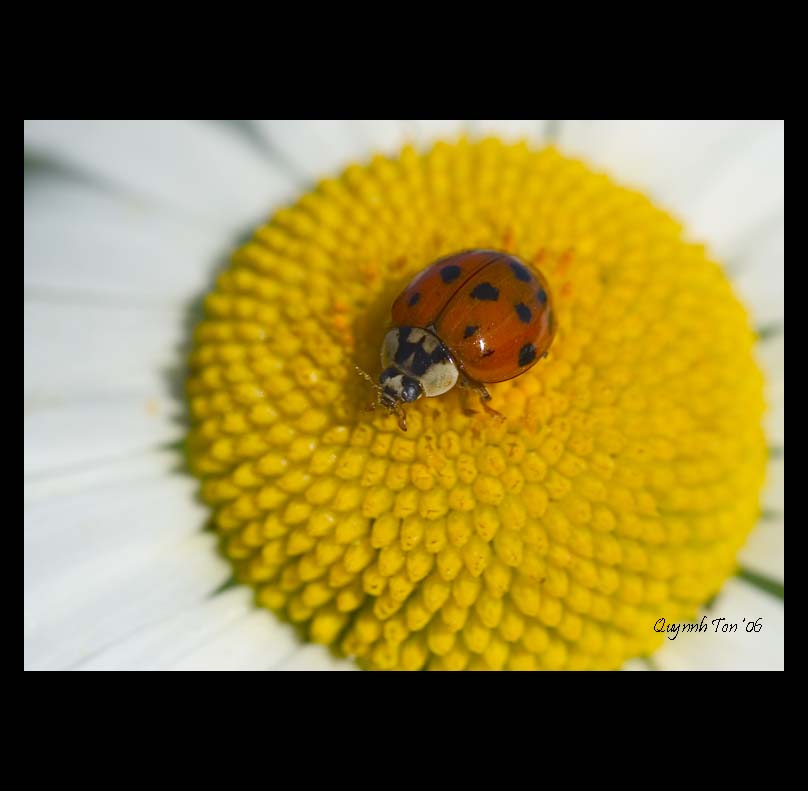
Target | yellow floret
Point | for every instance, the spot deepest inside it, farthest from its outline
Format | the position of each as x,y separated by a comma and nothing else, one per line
618,490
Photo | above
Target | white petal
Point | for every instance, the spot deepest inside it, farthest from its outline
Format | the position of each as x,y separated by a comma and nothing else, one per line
105,562
221,632
255,642
744,198
64,436
383,137
757,268
774,493
314,657
657,154
100,383
116,472
776,416
321,149
725,179
764,552
636,665
75,350
740,650
533,131
80,240
428,131
200,168
770,353
775,422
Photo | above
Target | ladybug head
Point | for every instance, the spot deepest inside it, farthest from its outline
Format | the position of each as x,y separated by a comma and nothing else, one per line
397,387
394,389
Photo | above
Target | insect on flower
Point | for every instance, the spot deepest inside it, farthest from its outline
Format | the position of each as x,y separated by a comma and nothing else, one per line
471,318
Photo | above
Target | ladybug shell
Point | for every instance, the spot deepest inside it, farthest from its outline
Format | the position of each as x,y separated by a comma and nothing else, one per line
490,310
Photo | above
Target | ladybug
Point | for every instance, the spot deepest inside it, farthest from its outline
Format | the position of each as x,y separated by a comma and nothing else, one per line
475,317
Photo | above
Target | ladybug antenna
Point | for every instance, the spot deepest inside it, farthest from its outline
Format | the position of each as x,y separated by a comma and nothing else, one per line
367,376
376,386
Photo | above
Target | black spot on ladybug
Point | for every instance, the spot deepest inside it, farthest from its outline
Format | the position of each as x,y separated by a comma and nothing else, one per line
450,273
541,295
527,354
417,359
403,333
420,364
388,373
470,330
523,311
414,298
520,271
485,291
406,350
439,355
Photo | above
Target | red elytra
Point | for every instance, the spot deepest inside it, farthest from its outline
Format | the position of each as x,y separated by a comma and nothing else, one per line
491,311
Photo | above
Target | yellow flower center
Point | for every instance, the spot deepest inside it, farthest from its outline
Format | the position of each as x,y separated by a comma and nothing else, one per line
617,491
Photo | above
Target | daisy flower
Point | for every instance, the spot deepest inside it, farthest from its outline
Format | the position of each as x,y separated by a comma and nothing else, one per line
196,296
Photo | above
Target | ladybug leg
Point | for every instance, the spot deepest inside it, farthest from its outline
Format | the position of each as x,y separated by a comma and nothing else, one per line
484,395
466,386
467,410
402,417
